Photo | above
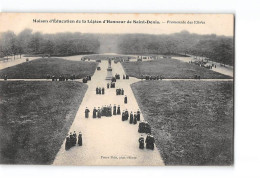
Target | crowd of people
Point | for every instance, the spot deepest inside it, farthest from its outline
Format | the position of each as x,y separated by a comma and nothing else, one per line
72,139
86,79
133,118
61,77
197,77
151,77
125,77
107,111
111,85
120,91
144,127
149,141
204,64
117,76
100,90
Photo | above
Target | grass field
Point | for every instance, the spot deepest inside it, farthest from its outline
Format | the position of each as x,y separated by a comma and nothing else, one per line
170,68
35,118
39,68
192,121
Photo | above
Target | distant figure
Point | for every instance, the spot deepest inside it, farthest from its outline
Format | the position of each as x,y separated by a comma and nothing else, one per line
103,91
5,77
131,118
125,100
149,142
110,110
80,139
96,90
67,144
107,85
114,110
75,138
135,118
94,112
86,112
123,116
126,115
122,91
141,142
118,110
71,140
98,113
138,115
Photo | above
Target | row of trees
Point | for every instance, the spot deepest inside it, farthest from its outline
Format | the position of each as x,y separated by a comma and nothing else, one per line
59,44
217,48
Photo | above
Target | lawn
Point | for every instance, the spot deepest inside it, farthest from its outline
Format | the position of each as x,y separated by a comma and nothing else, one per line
35,118
170,68
39,68
192,121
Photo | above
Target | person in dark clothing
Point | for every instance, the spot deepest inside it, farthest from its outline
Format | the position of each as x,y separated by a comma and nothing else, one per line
99,113
141,142
138,115
5,77
126,115
118,110
125,100
114,110
141,127
135,118
149,142
147,128
96,90
94,112
74,138
110,110
123,116
103,90
71,140
67,144
131,118
86,112
80,139
122,91
107,85
99,90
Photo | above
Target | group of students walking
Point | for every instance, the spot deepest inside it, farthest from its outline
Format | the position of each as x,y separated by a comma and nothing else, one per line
149,141
72,139
108,111
100,90
133,118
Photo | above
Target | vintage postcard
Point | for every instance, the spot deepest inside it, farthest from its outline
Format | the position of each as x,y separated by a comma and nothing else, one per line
91,89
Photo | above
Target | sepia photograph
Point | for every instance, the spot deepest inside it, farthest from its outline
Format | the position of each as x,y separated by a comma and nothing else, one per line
93,89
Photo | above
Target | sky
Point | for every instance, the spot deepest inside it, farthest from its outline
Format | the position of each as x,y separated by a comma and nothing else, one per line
219,24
